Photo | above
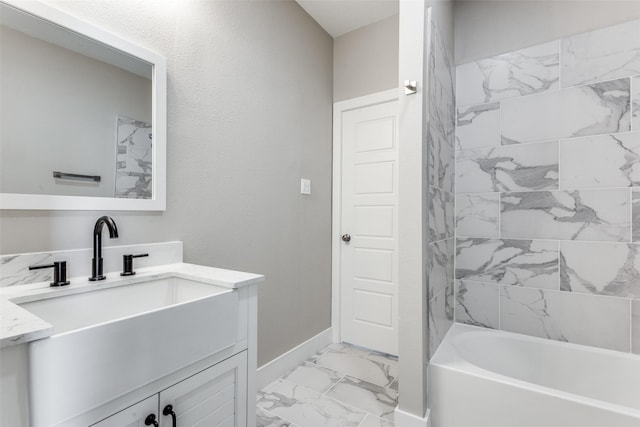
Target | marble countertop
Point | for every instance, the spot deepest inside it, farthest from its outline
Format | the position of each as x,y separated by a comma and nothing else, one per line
18,326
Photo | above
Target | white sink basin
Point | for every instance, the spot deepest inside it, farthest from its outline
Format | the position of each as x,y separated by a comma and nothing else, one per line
111,341
77,311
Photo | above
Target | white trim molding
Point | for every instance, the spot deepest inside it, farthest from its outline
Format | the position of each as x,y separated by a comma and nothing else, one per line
271,371
405,419
336,215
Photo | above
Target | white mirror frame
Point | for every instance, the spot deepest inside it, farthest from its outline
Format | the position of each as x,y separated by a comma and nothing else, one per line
159,122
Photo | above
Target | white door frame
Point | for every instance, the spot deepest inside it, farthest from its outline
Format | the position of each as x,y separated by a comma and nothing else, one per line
336,210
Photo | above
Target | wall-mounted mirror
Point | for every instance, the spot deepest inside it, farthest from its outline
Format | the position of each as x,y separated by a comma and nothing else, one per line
82,117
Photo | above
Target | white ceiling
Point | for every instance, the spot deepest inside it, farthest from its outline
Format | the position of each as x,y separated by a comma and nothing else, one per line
339,17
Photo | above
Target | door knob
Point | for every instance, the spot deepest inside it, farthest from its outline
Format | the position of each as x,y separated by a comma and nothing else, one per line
346,238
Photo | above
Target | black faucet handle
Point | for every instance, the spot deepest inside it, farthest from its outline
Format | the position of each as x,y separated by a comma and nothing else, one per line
59,272
127,264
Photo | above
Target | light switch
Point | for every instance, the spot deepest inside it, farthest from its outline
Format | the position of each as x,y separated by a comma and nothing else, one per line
305,186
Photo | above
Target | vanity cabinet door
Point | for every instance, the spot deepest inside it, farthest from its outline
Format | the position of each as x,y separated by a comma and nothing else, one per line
133,416
214,397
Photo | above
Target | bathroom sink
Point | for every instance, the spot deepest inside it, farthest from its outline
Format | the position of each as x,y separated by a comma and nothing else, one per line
110,341
71,312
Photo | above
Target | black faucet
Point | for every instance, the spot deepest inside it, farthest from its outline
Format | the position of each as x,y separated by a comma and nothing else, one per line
96,263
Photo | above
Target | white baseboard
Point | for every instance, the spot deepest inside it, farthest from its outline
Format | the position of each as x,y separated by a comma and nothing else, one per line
405,419
279,366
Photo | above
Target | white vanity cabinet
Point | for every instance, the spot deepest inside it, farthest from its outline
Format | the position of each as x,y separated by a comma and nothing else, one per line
214,397
133,416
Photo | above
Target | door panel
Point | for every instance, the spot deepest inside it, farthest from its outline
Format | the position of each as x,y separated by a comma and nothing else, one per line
369,261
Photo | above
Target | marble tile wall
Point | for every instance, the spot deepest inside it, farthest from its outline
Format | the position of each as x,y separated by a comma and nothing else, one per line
548,190
440,155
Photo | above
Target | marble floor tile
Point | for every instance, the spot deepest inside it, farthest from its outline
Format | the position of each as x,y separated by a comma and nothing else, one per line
308,408
314,376
369,366
265,419
313,395
371,421
364,395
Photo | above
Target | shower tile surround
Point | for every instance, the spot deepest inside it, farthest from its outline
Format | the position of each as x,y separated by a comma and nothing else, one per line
440,154
548,190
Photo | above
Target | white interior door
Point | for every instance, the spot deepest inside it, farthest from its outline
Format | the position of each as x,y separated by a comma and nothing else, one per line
369,260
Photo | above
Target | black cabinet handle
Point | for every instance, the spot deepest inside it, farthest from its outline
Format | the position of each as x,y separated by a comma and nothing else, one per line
151,420
59,272
127,264
168,410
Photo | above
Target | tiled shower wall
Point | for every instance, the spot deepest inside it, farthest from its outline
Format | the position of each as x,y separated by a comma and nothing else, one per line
548,190
440,152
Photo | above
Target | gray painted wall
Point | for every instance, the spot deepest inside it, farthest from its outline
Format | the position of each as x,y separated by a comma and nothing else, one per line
488,28
29,153
249,114
365,60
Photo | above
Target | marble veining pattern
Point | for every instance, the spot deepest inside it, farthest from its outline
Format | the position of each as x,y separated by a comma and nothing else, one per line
635,214
346,401
602,215
373,367
635,107
477,215
603,54
478,126
14,269
440,146
513,168
441,214
440,162
522,72
477,304
616,272
374,399
265,419
578,111
305,407
441,308
529,263
548,191
611,160
372,421
561,316
441,96
314,376
441,272
134,159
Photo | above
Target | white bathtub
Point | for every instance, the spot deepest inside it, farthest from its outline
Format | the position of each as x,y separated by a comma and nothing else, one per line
480,377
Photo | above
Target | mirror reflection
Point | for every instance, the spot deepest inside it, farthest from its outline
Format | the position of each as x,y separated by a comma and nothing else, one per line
75,116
